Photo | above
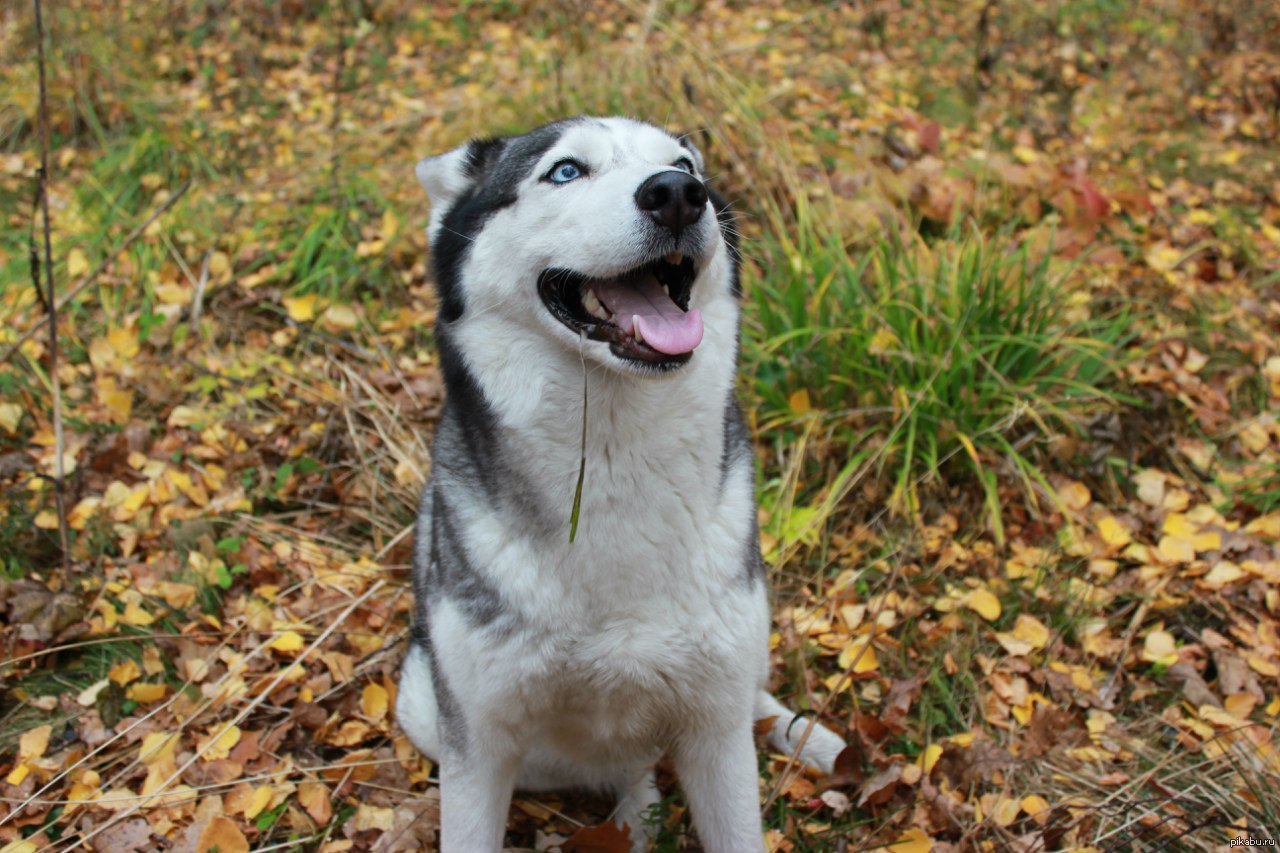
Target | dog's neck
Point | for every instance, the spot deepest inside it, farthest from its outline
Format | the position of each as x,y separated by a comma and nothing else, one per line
660,434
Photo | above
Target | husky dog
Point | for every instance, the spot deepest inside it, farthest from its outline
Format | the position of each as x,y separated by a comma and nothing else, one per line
589,252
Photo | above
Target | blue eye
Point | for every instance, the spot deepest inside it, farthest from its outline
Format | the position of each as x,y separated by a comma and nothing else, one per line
564,172
684,164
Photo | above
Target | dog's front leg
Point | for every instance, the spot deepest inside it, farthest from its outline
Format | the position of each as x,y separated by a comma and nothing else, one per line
475,794
717,769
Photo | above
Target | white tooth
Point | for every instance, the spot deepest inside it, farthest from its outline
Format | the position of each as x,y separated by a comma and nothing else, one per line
666,290
635,328
591,302
675,257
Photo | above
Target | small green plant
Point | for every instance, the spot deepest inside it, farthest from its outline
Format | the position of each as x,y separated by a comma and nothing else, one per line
322,244
963,356
1259,488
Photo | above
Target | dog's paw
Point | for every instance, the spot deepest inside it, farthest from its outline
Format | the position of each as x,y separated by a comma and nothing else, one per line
814,745
821,747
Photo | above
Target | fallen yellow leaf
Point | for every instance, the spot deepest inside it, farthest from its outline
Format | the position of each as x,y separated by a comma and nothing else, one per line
172,293
219,263
1036,807
1209,540
984,603
914,840
1160,648
83,511
1177,524
1265,525
930,757
124,341
157,747
339,318
859,654
1176,549
1006,811
373,701
258,802
372,817
1150,484
1261,665
10,416
1074,496
300,308
125,671
144,693
1222,574
134,615
1113,532
390,223
219,744
1031,630
33,743
289,641
77,263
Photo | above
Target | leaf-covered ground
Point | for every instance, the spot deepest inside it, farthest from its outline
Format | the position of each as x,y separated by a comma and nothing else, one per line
1058,628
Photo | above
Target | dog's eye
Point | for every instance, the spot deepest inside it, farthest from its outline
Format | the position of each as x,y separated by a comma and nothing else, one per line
565,171
684,164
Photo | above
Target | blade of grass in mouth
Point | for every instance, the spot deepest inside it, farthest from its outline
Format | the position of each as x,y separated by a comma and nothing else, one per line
582,454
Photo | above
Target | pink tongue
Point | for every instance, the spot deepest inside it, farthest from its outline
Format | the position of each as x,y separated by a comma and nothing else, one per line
662,324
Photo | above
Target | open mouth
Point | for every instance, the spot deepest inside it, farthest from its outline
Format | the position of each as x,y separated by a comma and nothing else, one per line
644,313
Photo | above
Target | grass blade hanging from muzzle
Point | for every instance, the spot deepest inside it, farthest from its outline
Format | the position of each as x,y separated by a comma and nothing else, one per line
582,457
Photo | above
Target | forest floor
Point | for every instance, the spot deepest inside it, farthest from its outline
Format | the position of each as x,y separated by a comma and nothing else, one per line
1011,360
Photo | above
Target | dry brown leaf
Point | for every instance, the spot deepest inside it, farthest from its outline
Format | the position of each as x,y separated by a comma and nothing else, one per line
222,834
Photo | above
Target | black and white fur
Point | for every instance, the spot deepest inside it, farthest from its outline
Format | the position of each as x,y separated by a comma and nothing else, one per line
543,664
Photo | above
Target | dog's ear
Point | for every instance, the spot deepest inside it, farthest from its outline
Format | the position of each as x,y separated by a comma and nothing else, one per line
447,176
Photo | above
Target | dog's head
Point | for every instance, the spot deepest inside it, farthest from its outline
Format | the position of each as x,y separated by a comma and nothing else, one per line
602,228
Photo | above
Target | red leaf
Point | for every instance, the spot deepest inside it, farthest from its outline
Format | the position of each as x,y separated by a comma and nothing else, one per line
1096,204
605,838
930,135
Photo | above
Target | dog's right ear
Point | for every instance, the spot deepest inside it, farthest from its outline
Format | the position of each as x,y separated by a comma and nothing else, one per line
447,176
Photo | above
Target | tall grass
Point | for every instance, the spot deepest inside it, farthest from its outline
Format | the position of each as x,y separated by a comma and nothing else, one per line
952,360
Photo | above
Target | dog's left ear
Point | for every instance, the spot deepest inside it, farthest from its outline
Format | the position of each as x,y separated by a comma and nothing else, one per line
447,176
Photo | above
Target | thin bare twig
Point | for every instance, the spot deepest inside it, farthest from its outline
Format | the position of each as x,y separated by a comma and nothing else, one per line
197,302
339,66
59,443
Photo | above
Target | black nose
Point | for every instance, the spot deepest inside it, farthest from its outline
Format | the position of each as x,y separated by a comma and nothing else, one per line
674,199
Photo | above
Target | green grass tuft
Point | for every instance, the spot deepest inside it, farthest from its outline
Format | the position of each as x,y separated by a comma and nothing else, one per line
959,358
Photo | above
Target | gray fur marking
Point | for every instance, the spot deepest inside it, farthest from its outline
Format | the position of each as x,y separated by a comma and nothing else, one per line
753,568
453,576
736,442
